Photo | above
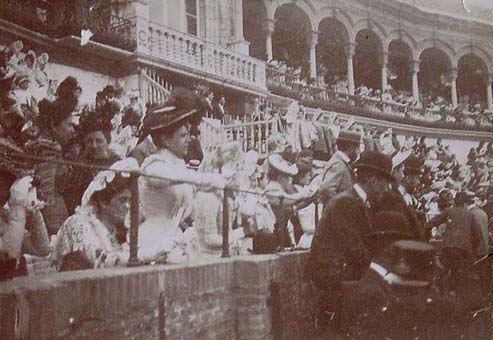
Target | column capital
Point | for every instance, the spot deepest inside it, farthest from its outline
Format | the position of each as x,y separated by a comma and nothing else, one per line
269,25
313,38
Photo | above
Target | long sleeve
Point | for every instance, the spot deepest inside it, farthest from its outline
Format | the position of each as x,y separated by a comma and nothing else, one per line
331,182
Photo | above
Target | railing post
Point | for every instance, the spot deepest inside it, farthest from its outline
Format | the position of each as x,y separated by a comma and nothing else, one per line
225,252
134,221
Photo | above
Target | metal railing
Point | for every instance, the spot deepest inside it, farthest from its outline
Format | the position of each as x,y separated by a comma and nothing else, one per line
135,202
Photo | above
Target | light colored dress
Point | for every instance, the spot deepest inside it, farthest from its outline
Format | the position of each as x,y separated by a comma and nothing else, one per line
166,203
85,235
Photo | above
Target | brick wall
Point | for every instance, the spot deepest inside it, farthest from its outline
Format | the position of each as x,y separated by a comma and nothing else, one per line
251,297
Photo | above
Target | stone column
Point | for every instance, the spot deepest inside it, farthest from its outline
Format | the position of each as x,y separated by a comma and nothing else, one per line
453,87
238,42
489,96
350,72
269,25
384,62
415,71
313,41
140,13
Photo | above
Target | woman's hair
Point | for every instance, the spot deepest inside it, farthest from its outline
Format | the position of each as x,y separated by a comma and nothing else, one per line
116,186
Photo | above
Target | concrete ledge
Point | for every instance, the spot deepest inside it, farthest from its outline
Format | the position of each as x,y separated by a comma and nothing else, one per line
250,297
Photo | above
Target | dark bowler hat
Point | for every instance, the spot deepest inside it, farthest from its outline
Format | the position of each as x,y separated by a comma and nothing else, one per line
349,136
376,162
181,106
412,165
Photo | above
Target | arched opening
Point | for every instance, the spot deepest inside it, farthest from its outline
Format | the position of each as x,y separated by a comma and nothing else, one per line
472,76
434,73
399,74
254,17
290,38
332,49
367,66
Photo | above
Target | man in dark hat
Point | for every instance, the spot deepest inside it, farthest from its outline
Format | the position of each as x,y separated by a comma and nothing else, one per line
338,251
338,175
396,298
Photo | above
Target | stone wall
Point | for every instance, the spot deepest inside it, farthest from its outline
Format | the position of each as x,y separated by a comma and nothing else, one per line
251,297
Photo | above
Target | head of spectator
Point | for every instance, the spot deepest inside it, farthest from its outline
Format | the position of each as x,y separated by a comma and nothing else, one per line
68,89
94,133
222,101
277,143
445,199
109,195
461,199
56,120
374,174
42,60
30,59
412,173
398,164
282,172
169,124
348,142
22,82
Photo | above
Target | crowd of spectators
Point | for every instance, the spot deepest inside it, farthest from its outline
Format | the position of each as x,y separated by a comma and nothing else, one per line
432,109
65,184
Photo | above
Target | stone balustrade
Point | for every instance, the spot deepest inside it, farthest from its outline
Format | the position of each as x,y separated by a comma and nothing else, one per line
200,56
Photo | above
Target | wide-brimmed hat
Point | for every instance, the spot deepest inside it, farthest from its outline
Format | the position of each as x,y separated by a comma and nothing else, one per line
391,225
377,163
276,161
419,255
183,105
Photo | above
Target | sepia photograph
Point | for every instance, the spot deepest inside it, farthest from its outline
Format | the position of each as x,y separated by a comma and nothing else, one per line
246,169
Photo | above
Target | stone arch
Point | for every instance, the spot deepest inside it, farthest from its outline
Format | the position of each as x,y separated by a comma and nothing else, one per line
476,51
338,14
305,6
371,25
436,43
404,36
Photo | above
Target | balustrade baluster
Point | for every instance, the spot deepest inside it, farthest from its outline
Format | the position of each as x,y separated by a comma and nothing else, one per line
259,138
160,43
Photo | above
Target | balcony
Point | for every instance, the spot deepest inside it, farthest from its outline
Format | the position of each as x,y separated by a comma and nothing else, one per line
67,20
198,57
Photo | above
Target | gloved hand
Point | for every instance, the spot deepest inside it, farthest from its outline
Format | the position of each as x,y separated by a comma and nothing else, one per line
23,194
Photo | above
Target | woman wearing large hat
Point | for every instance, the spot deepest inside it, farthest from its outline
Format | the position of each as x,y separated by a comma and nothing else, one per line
94,137
167,203
57,129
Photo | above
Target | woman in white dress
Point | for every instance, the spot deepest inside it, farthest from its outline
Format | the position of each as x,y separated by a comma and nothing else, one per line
168,186
90,238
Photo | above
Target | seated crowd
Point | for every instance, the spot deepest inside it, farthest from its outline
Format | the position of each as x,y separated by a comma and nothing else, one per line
66,174
433,107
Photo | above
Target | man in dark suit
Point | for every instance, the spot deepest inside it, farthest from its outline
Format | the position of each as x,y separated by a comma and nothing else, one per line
338,175
338,251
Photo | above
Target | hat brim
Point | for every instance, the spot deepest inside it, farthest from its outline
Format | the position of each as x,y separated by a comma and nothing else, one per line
178,118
